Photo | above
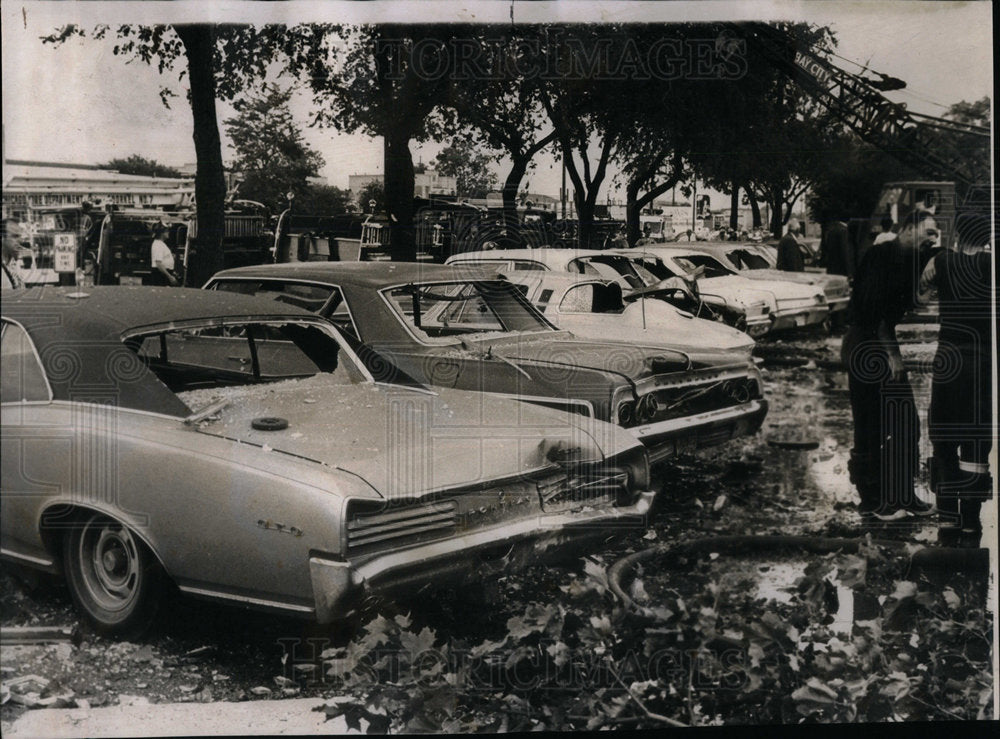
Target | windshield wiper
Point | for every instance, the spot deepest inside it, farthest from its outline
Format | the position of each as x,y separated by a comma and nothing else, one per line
209,410
490,354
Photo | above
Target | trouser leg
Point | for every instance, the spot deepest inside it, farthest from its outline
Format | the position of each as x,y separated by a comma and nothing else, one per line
865,462
900,443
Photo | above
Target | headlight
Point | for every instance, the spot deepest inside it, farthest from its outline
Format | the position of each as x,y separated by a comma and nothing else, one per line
645,408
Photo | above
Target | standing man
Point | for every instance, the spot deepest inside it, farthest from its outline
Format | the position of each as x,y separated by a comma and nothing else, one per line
11,249
885,456
161,259
886,234
835,250
789,253
961,412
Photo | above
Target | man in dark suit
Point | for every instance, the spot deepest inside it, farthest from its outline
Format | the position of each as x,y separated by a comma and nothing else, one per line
885,456
789,253
836,253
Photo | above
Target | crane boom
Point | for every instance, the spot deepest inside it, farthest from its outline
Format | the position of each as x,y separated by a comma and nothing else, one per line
859,103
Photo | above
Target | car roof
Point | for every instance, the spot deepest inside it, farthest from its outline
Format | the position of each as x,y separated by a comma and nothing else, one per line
110,311
363,274
79,339
547,255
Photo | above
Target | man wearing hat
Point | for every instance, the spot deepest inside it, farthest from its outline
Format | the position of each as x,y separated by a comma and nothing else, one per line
789,253
161,259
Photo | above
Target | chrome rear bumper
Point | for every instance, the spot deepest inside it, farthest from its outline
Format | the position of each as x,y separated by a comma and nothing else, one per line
467,558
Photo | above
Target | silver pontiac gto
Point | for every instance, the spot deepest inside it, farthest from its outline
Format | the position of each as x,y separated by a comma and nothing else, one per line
236,447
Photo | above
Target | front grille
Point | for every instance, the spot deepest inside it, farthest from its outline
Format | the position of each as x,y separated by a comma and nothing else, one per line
667,403
595,489
836,292
417,523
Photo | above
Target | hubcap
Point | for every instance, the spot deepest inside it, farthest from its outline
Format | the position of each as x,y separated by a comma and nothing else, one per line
109,560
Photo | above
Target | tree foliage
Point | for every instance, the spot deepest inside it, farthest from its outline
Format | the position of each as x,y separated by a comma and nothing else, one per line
387,81
139,165
502,109
373,191
470,167
271,155
773,144
218,61
323,200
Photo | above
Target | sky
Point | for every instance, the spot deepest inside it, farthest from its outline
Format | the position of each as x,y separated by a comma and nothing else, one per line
80,104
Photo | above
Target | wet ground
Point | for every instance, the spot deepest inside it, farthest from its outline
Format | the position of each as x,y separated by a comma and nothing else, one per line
791,478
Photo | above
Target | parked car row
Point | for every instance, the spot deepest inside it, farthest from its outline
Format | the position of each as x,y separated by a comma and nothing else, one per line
296,436
687,276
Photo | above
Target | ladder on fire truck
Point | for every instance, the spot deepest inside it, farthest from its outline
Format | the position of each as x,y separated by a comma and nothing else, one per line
858,102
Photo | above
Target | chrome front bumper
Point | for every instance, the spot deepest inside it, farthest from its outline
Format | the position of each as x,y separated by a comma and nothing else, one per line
466,558
837,305
799,317
666,438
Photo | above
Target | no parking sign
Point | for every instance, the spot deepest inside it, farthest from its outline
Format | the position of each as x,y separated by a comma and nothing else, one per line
65,252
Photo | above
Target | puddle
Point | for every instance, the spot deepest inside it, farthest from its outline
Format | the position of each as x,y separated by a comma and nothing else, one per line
776,580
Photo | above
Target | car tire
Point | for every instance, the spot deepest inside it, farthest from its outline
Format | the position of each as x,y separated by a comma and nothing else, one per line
114,579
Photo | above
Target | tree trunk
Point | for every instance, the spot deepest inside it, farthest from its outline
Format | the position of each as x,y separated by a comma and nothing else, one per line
734,207
633,232
754,207
510,187
585,222
776,202
399,195
210,180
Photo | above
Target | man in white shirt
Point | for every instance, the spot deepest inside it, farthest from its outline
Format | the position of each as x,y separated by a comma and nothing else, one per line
161,259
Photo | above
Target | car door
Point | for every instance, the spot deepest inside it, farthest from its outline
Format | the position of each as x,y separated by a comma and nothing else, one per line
39,442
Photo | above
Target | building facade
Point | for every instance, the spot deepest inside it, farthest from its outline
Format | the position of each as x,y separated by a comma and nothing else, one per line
29,185
425,184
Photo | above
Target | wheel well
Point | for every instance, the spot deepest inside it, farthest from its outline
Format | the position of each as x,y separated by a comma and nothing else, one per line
59,519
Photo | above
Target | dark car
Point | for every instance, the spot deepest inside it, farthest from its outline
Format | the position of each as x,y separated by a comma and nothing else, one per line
235,447
466,328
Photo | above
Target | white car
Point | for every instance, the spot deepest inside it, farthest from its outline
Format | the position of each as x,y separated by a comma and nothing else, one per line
594,308
757,262
790,305
746,310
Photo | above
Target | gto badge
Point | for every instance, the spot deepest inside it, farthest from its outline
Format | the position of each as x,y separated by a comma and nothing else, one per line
279,527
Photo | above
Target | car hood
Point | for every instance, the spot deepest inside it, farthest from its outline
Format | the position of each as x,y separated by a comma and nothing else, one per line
407,443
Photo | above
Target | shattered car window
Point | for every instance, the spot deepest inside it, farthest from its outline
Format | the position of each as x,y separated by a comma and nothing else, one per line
241,353
453,309
309,297
713,267
593,298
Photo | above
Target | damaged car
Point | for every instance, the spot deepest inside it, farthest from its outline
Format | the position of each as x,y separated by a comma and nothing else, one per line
468,328
753,261
789,305
640,274
593,308
237,448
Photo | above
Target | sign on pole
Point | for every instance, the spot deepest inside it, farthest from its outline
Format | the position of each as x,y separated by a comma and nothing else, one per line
65,252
